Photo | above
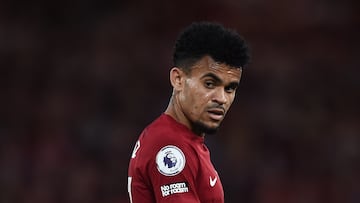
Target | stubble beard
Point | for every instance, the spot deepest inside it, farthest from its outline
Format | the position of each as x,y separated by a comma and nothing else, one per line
200,128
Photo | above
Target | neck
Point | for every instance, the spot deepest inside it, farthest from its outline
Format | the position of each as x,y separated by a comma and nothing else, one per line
174,111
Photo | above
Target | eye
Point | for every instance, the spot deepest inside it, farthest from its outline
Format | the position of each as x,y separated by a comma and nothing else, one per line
209,84
231,88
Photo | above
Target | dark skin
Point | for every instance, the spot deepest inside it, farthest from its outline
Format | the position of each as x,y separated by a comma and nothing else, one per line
203,96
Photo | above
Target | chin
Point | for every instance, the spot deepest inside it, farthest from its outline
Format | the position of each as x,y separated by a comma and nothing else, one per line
201,127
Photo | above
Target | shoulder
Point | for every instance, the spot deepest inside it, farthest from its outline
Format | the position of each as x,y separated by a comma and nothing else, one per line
165,135
163,131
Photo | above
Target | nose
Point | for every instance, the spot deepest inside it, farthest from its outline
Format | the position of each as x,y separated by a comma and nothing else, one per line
220,96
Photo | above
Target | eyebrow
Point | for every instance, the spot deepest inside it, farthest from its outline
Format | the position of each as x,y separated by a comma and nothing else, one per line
213,76
217,79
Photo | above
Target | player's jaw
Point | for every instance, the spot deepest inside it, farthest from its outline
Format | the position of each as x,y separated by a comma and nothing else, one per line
200,127
210,120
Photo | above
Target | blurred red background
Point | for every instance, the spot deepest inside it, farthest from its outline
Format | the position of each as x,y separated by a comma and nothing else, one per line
80,80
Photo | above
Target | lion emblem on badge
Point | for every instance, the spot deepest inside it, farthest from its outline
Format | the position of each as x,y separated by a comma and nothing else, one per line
170,160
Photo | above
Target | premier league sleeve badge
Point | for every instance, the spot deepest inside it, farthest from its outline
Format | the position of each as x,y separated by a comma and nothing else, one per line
170,160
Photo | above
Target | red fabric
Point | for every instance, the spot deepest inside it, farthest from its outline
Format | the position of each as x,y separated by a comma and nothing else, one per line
197,182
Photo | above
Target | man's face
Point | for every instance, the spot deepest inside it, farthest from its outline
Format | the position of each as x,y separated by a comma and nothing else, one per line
207,94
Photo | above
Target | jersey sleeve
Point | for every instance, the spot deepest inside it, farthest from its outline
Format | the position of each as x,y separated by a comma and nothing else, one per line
173,173
163,172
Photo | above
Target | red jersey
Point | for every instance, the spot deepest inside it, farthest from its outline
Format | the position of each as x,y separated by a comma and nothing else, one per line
172,164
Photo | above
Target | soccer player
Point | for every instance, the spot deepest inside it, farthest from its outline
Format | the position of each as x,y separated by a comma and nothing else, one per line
170,162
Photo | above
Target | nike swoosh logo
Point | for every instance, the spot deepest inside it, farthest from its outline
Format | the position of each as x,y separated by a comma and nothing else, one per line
213,181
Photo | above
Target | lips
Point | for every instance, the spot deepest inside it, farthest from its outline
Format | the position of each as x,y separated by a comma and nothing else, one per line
216,113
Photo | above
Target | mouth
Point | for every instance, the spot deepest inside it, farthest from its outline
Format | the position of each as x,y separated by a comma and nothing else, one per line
216,114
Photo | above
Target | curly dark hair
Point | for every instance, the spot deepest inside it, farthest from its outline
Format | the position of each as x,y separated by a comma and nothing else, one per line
212,39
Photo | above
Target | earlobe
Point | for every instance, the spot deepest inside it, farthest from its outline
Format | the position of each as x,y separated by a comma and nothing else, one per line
176,78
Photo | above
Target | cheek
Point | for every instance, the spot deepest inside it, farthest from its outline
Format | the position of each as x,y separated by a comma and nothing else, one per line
194,100
196,97
200,100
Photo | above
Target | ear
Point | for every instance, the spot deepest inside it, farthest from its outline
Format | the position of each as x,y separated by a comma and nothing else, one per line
177,77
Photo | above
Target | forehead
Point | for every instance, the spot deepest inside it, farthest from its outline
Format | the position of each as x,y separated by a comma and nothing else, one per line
207,65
